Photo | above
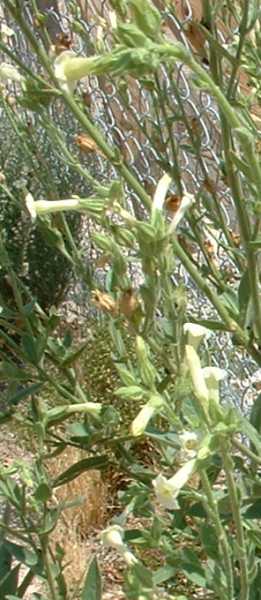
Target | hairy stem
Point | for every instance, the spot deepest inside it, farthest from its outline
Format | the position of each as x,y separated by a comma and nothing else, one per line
211,507
235,507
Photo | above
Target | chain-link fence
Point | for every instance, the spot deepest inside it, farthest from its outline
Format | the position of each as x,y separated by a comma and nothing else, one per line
160,124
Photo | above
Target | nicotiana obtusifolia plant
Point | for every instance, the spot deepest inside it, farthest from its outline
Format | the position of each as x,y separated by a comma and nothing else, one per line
197,498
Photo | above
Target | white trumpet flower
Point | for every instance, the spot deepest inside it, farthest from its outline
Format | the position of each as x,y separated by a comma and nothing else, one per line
113,537
160,192
189,443
140,423
167,490
70,68
186,203
68,84
196,333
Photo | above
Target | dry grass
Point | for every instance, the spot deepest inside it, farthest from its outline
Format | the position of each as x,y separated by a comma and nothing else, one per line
78,525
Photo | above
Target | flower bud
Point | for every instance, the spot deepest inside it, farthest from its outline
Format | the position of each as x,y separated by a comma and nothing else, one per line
212,376
196,372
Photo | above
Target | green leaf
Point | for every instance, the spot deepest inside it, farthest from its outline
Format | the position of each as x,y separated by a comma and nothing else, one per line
50,523
242,166
255,243
117,339
9,370
243,292
209,541
73,356
251,432
5,561
130,35
126,376
255,414
164,574
23,555
212,325
24,393
253,511
43,492
230,301
33,348
8,584
133,392
147,17
143,575
194,575
92,589
79,431
98,462
253,14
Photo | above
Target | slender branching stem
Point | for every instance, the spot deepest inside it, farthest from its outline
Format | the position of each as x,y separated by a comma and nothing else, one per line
212,509
235,507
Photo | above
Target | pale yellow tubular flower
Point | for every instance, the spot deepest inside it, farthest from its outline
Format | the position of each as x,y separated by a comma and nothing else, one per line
189,443
67,84
38,207
167,490
45,206
160,192
30,205
195,334
140,423
186,203
70,68
112,536
196,373
213,376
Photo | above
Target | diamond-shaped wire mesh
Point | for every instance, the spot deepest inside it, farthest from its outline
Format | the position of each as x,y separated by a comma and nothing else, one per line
133,117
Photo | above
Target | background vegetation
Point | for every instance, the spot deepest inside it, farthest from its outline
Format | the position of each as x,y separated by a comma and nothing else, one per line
130,164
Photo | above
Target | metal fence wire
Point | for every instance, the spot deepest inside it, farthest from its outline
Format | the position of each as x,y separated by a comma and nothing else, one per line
152,122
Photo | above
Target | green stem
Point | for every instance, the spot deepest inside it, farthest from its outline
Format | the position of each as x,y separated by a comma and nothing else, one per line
109,152
245,450
196,147
235,507
76,254
175,167
244,223
212,509
48,569
236,65
209,292
232,325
